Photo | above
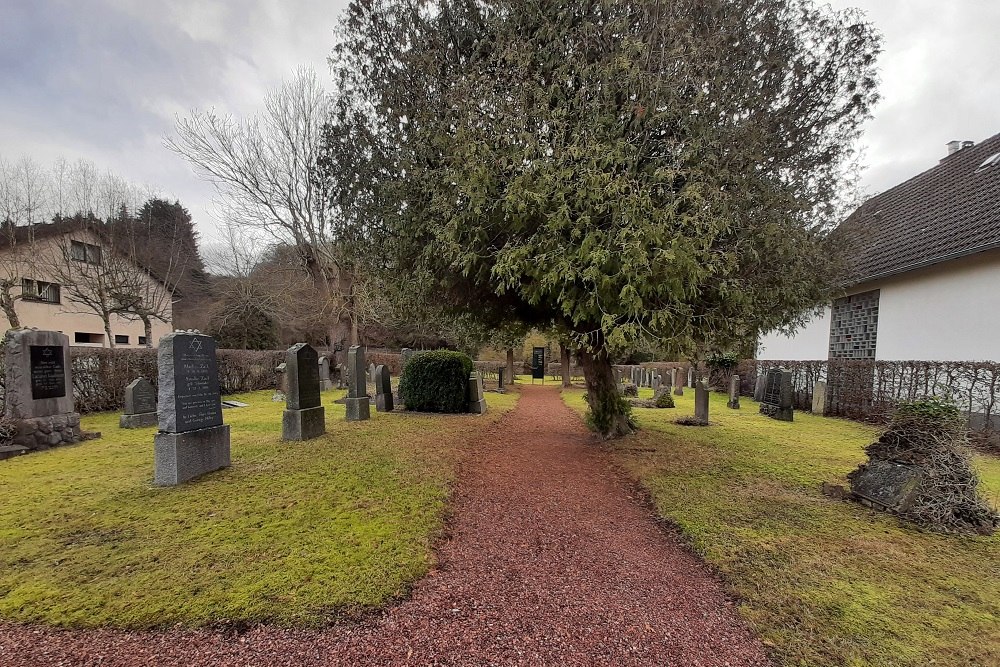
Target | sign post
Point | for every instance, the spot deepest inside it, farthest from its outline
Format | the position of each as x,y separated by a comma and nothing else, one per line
538,364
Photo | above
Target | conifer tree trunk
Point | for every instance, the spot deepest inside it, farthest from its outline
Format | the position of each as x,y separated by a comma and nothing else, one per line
610,414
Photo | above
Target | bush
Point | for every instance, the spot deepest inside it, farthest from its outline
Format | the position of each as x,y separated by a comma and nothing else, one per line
436,382
663,399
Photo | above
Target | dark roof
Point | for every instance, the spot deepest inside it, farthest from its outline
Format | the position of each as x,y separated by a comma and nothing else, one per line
946,212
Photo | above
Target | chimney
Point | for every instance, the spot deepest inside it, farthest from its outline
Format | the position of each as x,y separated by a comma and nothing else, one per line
956,146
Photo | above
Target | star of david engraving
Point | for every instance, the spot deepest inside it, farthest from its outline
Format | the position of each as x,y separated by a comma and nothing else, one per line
47,352
195,345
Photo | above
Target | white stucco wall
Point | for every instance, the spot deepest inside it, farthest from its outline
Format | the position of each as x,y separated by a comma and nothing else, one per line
810,342
947,312
950,312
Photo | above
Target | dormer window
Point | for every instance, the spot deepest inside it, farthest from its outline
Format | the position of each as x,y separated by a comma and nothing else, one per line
85,252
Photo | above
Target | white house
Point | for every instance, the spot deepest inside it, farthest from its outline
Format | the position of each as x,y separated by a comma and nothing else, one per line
927,266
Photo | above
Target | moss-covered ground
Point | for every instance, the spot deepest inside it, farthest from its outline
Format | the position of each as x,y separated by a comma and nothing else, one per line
293,534
823,582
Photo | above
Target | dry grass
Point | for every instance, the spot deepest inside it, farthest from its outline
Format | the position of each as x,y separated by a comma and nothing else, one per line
293,533
823,582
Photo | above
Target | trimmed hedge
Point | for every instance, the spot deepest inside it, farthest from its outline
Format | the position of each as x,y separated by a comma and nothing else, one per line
436,381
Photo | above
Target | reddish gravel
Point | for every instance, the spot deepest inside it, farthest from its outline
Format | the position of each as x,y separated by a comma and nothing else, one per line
551,561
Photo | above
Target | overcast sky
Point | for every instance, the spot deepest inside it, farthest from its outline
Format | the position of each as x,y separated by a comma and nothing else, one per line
104,79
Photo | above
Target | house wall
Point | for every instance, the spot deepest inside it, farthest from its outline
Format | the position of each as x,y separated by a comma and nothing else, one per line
810,342
947,312
36,262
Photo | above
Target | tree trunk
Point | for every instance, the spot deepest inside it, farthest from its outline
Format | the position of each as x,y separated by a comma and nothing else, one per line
510,366
7,303
564,359
147,326
610,414
107,330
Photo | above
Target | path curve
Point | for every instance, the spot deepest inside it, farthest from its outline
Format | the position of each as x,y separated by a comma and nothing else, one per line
551,560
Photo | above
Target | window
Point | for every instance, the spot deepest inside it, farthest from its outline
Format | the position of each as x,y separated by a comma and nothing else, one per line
84,338
854,326
85,252
121,340
39,290
142,340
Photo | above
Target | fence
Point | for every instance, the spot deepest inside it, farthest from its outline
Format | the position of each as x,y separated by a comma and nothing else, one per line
870,390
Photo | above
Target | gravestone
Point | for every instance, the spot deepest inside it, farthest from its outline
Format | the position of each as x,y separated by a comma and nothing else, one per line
140,405
371,374
734,392
39,390
819,398
701,402
280,382
655,383
357,402
677,381
500,380
758,389
325,379
304,417
777,399
383,389
477,402
192,440
691,378
887,485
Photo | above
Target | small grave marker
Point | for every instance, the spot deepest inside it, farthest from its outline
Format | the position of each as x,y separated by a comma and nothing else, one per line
140,405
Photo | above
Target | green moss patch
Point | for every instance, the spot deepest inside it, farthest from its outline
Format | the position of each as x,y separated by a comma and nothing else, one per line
823,582
293,533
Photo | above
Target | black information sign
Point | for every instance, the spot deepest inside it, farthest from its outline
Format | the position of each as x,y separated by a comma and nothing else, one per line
48,371
538,364
196,383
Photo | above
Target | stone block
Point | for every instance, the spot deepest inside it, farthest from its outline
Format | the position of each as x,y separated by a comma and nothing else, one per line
887,485
701,402
358,409
143,420
384,403
304,424
819,398
180,457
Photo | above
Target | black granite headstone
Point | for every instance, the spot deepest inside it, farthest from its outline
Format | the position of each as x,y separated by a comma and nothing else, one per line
302,371
48,374
196,383
140,397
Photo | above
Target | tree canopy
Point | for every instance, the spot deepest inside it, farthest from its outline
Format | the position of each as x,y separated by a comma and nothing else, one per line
624,171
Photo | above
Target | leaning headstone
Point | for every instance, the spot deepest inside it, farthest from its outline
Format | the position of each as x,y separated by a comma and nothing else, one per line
678,382
140,405
325,379
734,392
477,402
777,399
758,390
304,417
39,390
357,401
886,485
383,389
819,398
701,402
192,440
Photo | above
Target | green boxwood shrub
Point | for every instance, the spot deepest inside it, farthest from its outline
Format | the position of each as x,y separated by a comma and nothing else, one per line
436,381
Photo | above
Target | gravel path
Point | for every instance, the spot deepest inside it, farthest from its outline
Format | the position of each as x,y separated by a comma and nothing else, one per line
551,561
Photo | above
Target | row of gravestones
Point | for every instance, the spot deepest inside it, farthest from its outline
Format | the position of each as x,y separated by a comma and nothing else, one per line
192,438
773,390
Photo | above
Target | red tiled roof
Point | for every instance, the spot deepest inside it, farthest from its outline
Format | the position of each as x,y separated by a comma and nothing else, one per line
946,212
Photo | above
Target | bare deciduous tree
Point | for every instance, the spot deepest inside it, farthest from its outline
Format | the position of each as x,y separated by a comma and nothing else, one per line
263,168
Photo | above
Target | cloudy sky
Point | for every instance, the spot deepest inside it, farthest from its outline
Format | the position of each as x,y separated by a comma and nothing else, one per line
104,79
